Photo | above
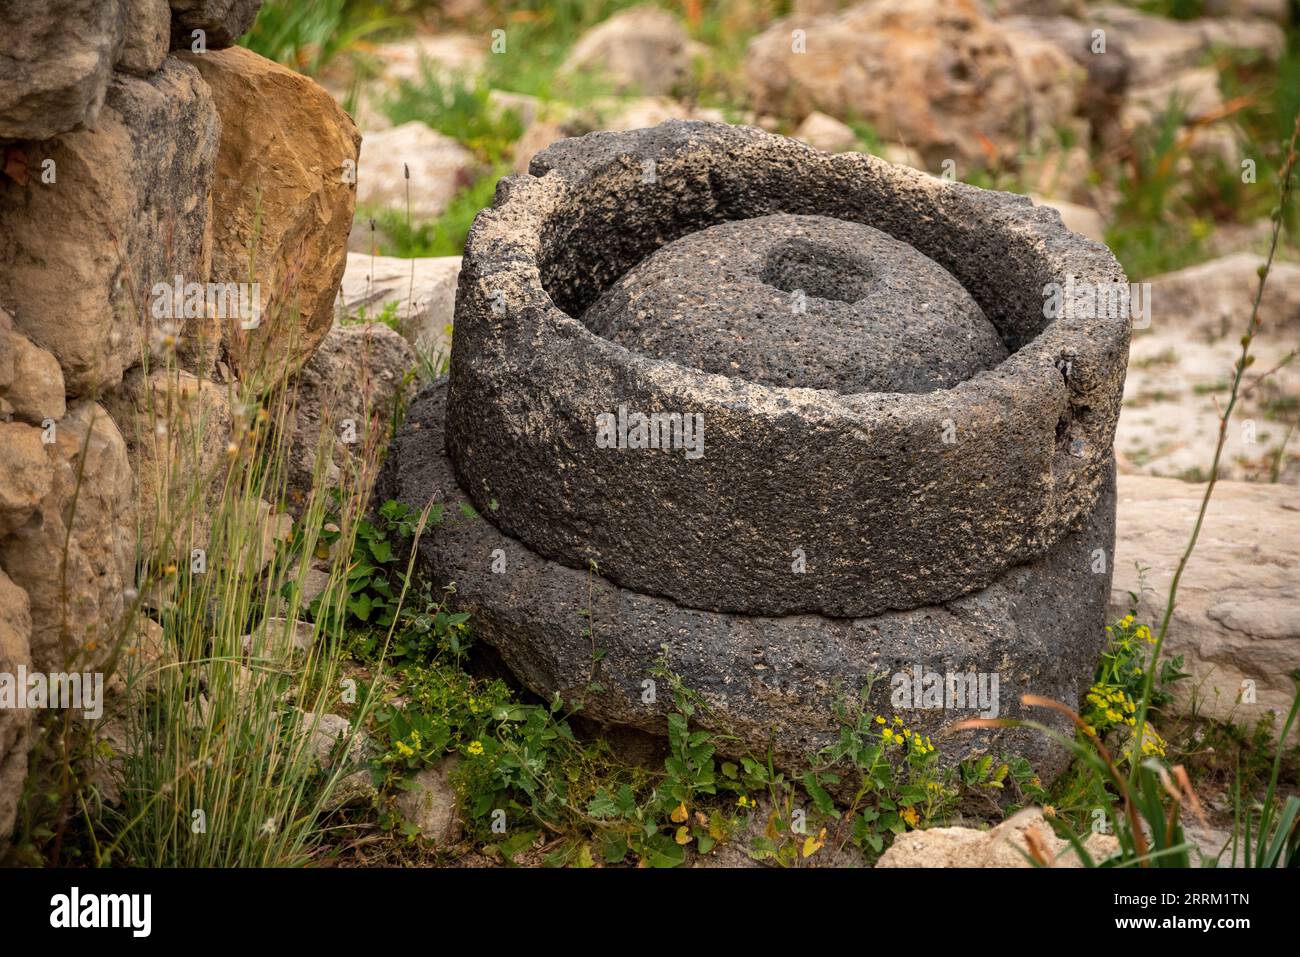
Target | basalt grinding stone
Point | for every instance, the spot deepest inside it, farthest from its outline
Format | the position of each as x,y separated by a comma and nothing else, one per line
801,301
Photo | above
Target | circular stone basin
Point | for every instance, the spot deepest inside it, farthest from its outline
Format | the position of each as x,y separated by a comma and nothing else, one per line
801,301
786,499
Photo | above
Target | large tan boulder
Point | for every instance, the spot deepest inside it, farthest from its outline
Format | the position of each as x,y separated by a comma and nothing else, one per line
1002,846
15,724
126,209
1237,619
75,553
282,200
937,75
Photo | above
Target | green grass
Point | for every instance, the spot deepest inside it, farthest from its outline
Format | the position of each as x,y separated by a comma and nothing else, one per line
310,36
445,236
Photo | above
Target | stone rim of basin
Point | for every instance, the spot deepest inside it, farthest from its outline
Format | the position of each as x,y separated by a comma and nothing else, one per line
803,500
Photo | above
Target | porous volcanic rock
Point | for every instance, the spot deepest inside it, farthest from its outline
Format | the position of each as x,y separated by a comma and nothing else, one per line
801,301
1037,626
884,501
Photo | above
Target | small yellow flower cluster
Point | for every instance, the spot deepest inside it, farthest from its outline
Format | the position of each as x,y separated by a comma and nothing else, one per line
746,802
1113,704
899,735
475,748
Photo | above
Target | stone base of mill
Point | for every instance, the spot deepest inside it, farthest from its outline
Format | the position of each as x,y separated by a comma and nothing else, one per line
773,682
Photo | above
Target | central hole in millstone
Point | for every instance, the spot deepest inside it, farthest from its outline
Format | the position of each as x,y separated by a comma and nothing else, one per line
801,301
817,269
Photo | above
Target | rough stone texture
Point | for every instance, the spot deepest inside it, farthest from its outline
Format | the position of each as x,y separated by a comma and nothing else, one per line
147,35
222,21
128,210
90,508
1238,610
356,376
899,517
800,302
935,74
331,739
439,168
284,191
177,427
422,293
31,382
645,49
25,474
1181,367
428,803
15,725
1002,846
1039,626
56,59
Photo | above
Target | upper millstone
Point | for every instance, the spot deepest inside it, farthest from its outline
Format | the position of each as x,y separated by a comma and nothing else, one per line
801,301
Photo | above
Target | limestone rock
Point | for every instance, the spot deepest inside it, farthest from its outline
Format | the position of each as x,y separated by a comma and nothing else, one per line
177,427
1181,368
58,58
439,169
824,132
222,21
26,475
332,740
998,847
90,509
127,211
939,76
421,293
1237,618
15,724
283,194
644,49
429,803
30,378
147,35
1079,219
344,398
